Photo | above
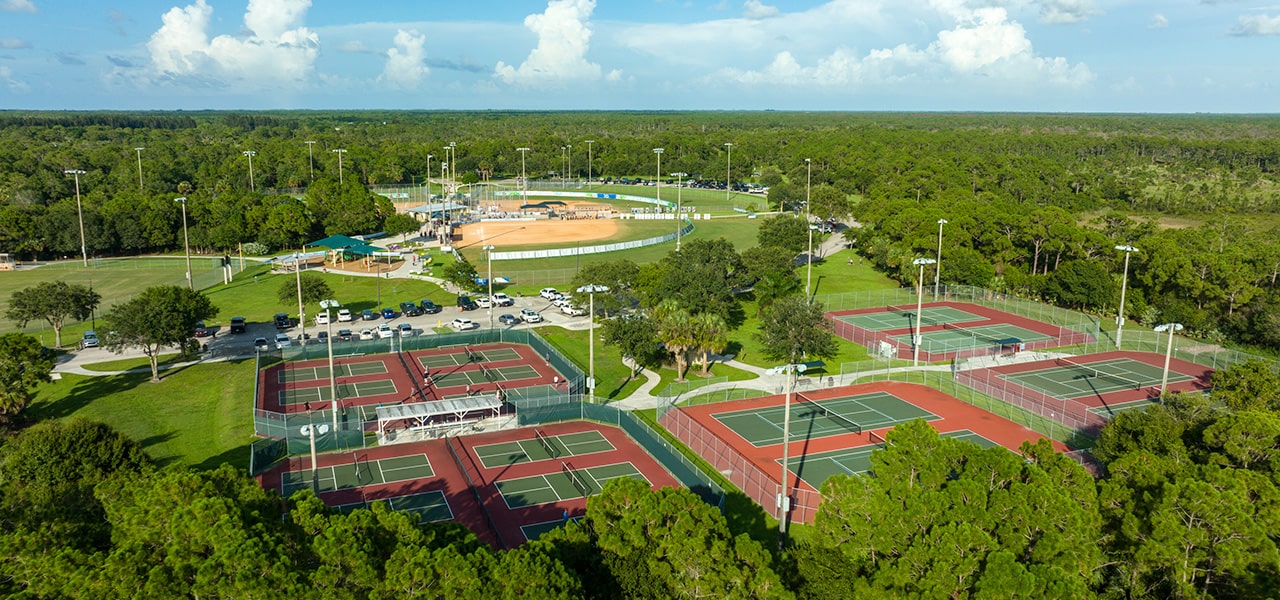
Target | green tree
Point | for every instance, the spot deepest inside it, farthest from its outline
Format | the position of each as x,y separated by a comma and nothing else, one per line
462,274
701,277
314,289
159,317
618,275
675,328
791,329
710,335
1251,385
773,287
24,363
55,302
1081,284
785,231
400,224
636,337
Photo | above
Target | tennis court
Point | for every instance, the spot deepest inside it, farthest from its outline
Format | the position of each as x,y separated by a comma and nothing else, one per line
904,318
464,356
566,484
812,420
345,390
296,374
815,469
1113,409
954,338
357,474
484,375
542,447
1068,380
534,531
431,507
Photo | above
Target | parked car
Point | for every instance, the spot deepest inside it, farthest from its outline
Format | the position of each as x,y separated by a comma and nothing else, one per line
501,299
410,309
508,319
405,329
237,325
484,302
562,301
366,334
549,293
384,331
466,303
282,340
344,335
90,339
388,312
322,337
572,310
261,344
461,324
429,307
201,330
528,315
368,315
322,319
282,321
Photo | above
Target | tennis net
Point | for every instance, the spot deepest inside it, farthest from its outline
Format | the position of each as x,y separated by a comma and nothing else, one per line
471,356
826,412
877,438
977,339
1093,373
575,480
546,443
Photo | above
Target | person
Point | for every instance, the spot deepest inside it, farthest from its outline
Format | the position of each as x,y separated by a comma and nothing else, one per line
468,389
850,261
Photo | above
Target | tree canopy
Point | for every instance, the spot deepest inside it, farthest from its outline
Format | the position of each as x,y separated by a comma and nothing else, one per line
159,317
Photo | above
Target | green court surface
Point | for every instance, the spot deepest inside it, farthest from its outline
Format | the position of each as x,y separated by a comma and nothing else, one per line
904,318
1069,380
948,340
482,375
815,469
358,474
542,448
812,420
322,372
431,507
1111,409
559,485
536,530
462,357
345,390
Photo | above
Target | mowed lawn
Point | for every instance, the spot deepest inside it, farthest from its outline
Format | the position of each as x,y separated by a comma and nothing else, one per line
199,415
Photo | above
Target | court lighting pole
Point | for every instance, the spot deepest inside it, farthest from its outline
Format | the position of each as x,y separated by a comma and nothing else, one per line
591,341
916,341
570,153
808,281
488,253
524,181
679,179
589,142
339,152
1172,328
658,151
250,154
1124,283
728,171
84,248
186,242
784,498
302,317
937,271
453,169
139,151
333,380
311,159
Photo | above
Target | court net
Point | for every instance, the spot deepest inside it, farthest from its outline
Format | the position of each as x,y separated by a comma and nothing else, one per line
484,371
546,443
968,333
840,419
575,480
877,438
471,356
1088,372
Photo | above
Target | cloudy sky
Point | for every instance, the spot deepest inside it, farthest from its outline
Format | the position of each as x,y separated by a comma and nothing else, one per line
982,55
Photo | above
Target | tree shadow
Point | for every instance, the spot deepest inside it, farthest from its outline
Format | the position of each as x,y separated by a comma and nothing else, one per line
86,391
237,457
149,442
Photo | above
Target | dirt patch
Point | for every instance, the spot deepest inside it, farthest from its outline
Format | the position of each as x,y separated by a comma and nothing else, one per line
528,233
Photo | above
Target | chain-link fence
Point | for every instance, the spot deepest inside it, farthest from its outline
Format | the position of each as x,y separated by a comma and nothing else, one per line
1194,351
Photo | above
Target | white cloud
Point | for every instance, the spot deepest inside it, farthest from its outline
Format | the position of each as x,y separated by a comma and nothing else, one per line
14,44
754,9
1158,22
7,80
1066,11
277,49
25,6
406,63
564,36
1257,25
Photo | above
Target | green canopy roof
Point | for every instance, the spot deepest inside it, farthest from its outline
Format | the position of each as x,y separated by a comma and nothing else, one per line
335,242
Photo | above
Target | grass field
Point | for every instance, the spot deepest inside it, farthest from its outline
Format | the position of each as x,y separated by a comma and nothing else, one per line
198,415
612,376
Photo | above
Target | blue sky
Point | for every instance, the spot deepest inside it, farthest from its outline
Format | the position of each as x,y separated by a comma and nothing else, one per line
938,55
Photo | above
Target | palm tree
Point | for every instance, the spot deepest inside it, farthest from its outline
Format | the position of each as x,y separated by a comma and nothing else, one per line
676,330
775,286
710,335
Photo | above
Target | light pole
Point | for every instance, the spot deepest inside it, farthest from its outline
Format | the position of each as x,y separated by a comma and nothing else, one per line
658,151
784,498
488,254
302,317
570,170
139,151
728,171
808,179
84,248
937,271
333,380
453,166
524,181
679,178
1124,283
339,152
429,157
311,159
1173,328
591,341
186,242
250,154
589,142
919,337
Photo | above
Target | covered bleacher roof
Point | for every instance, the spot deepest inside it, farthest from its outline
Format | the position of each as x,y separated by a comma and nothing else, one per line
420,413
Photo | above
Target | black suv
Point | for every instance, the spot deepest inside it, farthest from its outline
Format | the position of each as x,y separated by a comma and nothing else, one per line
283,321
410,309
237,325
466,303
430,307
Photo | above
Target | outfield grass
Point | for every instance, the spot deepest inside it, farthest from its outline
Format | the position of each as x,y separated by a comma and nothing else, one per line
705,201
199,415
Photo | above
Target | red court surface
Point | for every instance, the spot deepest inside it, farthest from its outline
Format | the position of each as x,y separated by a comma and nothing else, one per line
756,470
470,488
986,317
400,378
